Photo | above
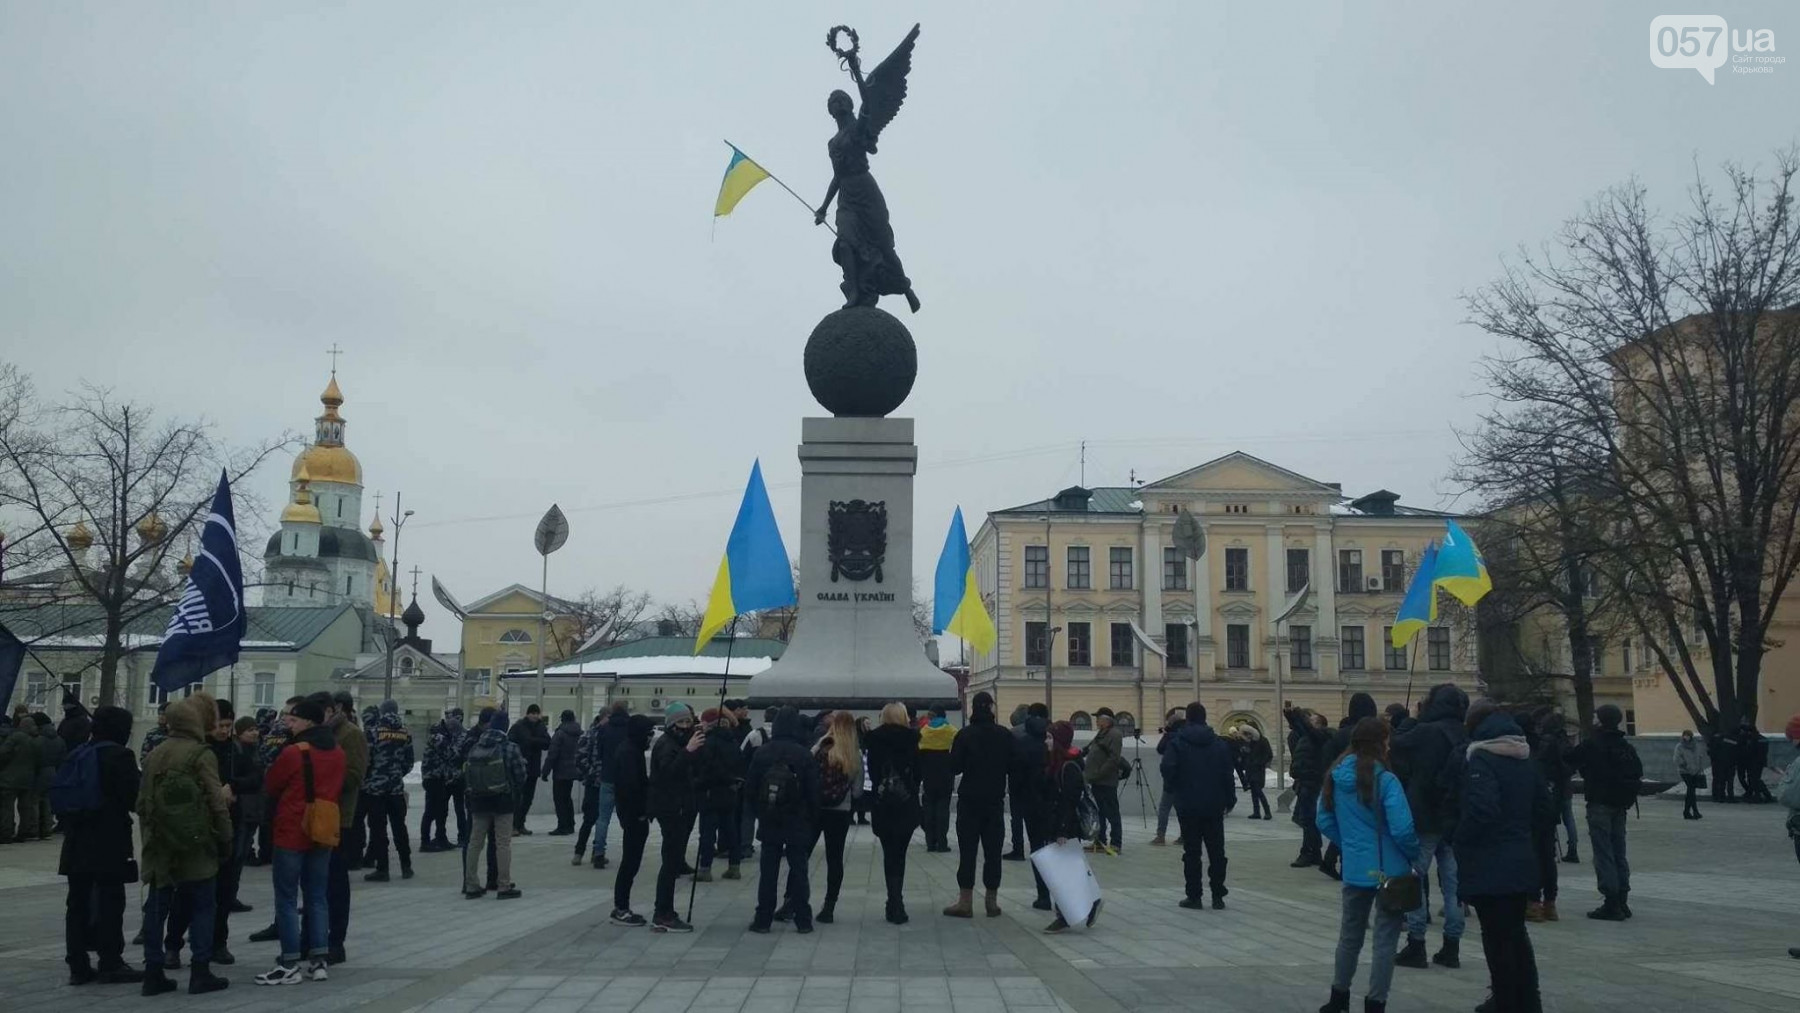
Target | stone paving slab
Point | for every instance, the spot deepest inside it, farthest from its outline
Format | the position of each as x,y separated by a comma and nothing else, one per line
1715,902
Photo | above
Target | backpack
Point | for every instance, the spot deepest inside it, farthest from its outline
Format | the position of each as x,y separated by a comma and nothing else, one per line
75,788
1622,770
834,784
484,773
1087,814
184,815
322,820
780,791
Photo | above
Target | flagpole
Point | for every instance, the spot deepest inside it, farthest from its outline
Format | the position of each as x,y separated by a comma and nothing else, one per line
724,681
778,182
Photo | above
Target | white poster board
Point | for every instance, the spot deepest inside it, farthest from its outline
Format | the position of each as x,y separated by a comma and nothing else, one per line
1073,888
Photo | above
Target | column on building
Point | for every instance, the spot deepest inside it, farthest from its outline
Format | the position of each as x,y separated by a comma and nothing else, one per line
1324,582
1202,647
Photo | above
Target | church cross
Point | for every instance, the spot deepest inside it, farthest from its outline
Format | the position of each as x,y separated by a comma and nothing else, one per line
334,351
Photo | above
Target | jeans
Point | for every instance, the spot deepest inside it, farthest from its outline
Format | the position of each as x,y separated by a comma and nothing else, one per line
1433,847
834,827
437,812
1164,806
195,896
562,793
1512,966
979,826
1306,814
1259,802
792,848
934,816
1568,817
298,873
94,919
385,812
636,832
675,833
1199,830
718,834
1606,835
1106,797
596,815
1358,902
486,825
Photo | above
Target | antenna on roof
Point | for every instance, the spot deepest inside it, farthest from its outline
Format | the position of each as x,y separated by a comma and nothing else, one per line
1084,464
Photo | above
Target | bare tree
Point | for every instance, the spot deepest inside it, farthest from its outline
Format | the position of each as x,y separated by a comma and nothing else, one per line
681,619
1666,351
616,613
108,493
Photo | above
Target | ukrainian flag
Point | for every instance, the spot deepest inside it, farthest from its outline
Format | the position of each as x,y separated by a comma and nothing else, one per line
1419,608
956,601
740,176
755,573
1460,569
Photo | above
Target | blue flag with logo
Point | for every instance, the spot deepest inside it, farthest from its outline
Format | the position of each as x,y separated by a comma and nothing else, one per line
208,625
12,658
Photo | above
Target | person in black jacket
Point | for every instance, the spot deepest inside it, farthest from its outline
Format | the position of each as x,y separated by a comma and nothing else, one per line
1015,806
937,780
1611,773
721,780
533,739
1198,768
784,782
1253,756
982,754
674,777
599,793
1164,806
1362,705
1306,745
1549,754
893,751
1502,799
1032,773
631,798
1424,755
246,793
561,770
98,860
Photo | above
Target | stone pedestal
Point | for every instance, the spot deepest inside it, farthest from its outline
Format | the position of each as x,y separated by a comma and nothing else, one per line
854,647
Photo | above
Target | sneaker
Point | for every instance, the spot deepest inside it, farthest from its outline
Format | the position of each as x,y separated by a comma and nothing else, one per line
406,872
238,907
670,923
1042,904
1014,856
317,972
474,894
1218,903
282,974
221,955
1303,862
578,857
629,919
378,876
510,893
762,928
704,875
122,974
268,935
1056,927
731,872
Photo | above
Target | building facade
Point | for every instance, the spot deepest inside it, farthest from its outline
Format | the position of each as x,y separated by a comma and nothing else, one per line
1096,605
647,674
500,634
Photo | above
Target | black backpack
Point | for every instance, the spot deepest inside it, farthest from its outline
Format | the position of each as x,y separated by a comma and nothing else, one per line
780,793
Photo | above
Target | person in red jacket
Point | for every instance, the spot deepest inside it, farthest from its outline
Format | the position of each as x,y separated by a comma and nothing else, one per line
312,770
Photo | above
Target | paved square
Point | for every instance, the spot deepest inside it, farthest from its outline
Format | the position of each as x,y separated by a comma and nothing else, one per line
1716,903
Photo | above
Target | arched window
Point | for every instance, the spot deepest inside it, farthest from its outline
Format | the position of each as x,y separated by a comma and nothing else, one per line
406,663
515,636
1082,720
1126,722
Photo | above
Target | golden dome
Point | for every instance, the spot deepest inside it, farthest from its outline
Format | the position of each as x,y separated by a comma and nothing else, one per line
332,397
375,529
152,529
79,537
328,463
301,510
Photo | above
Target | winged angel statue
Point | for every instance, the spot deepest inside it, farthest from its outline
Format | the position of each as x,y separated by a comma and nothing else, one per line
865,241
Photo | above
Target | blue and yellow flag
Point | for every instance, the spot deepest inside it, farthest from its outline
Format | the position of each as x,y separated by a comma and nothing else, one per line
755,573
1419,608
1460,569
956,601
740,177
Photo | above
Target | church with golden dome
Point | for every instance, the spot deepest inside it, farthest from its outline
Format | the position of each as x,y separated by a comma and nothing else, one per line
320,556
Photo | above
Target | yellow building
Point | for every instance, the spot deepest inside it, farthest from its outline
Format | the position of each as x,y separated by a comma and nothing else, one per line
500,634
1069,578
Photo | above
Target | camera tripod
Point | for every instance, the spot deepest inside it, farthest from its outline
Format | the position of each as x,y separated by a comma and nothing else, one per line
1146,793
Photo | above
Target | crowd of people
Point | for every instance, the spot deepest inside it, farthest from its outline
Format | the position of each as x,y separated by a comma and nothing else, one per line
1475,791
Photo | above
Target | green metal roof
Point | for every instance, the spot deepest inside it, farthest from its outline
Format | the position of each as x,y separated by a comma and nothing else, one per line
1116,499
664,647
267,625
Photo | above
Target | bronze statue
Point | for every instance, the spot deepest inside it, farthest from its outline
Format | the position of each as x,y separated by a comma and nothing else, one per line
864,248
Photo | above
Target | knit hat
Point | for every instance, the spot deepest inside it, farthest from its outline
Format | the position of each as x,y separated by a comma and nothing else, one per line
1608,715
676,712
390,707
308,710
1793,728
568,715
112,724
500,722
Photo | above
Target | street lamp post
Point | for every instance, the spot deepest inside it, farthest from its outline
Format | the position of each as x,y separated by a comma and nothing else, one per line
387,683
1050,631
552,532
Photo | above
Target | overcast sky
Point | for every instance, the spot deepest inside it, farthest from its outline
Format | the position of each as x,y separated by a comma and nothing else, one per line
1173,230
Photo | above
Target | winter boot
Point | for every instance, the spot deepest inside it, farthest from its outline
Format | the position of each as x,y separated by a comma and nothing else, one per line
1374,1005
1340,1002
1534,911
1608,911
201,980
731,872
1159,841
1625,903
81,972
156,982
1413,955
704,875
1550,911
1570,856
1449,955
964,906
993,903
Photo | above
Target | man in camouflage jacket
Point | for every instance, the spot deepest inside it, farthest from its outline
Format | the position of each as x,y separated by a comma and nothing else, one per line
442,773
384,793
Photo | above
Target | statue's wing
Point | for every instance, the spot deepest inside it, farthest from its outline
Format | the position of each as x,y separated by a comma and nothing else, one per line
885,88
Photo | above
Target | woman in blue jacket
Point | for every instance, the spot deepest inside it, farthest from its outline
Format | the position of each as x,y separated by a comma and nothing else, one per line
1363,810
